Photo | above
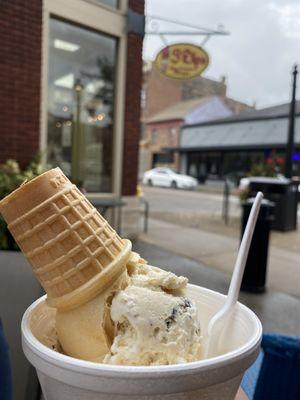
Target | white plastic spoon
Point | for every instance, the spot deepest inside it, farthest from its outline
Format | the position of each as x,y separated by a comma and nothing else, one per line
218,321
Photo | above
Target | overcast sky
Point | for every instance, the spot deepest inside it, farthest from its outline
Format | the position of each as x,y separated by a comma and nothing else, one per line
258,55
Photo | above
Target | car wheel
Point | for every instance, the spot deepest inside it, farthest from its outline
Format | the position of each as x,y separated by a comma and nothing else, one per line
150,183
174,184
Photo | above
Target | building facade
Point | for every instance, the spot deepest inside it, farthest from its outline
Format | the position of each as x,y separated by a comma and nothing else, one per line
231,147
168,104
162,130
70,78
160,92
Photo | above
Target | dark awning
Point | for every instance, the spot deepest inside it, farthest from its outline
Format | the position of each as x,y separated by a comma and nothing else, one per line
250,135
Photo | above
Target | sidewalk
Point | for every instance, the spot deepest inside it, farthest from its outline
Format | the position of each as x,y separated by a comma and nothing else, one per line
219,251
279,312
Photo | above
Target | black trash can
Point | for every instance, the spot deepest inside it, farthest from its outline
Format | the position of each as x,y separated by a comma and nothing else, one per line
254,278
284,194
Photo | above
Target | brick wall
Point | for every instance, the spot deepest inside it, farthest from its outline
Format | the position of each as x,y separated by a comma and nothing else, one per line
166,135
132,106
20,76
200,87
161,92
161,135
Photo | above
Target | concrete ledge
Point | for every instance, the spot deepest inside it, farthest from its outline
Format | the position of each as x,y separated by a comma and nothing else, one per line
19,288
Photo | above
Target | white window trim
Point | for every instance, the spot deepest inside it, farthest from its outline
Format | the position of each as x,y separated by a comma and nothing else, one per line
102,19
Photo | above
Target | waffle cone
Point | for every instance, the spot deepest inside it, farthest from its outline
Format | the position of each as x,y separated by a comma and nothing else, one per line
73,251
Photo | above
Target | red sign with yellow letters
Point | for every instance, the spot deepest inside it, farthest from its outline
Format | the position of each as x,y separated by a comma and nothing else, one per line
182,61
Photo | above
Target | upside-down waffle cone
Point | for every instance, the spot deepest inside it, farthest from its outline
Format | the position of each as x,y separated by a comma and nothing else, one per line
72,249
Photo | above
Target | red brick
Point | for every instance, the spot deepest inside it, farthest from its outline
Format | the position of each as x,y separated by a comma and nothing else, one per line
20,76
132,106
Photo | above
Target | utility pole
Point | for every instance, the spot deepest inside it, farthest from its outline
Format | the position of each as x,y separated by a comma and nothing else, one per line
291,132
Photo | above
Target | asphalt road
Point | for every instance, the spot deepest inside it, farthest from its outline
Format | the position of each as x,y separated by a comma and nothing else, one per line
174,200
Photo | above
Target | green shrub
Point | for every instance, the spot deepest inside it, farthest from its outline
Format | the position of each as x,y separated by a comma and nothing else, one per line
263,169
11,177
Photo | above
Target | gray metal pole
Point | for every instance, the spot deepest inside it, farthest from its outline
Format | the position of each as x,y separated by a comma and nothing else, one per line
291,131
225,208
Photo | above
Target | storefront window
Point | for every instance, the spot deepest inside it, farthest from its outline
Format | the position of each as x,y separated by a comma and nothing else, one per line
109,3
81,84
154,136
172,134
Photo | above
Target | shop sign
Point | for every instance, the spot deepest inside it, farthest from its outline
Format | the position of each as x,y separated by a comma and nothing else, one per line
182,61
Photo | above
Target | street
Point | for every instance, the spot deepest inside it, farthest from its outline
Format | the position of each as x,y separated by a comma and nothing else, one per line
161,199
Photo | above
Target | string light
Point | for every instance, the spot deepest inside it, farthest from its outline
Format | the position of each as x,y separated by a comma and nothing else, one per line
100,117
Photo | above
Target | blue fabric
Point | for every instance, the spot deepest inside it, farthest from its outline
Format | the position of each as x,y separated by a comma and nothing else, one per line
5,370
279,376
251,375
275,375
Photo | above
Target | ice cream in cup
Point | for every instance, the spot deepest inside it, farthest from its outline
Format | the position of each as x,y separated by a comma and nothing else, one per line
111,326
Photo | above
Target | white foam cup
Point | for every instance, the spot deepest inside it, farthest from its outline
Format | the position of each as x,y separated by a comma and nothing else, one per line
217,378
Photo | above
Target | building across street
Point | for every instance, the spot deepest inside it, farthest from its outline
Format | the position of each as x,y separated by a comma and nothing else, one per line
168,104
231,146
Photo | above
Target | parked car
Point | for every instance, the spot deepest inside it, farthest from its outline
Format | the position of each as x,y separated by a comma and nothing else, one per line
168,178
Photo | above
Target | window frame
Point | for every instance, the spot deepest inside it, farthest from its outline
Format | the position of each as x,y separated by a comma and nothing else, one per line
154,136
98,3
103,20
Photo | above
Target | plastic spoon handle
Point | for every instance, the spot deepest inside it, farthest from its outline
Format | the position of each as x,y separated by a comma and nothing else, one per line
241,260
237,276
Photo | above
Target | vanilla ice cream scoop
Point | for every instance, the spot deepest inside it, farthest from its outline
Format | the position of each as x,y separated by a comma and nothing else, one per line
155,322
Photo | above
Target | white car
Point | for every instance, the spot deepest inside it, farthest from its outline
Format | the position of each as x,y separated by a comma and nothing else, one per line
168,178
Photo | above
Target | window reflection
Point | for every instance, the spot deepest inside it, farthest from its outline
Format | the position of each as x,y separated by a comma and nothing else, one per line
80,104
